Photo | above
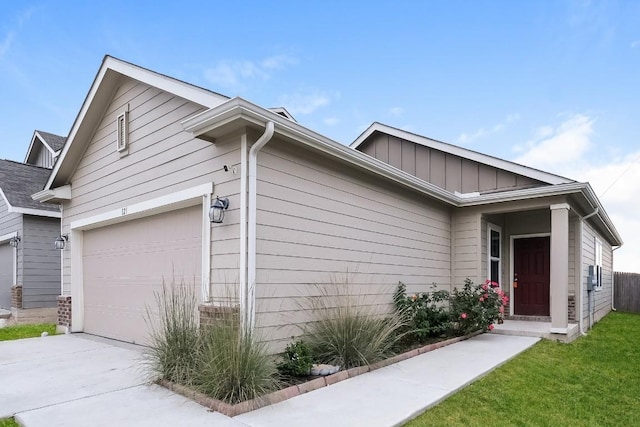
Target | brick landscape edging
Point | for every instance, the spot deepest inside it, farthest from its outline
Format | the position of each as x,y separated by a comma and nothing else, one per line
296,390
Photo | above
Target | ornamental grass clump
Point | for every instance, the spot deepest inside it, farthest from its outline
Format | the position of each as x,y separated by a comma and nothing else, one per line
174,333
348,331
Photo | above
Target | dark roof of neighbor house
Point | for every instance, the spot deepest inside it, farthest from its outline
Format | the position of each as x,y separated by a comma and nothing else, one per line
56,142
18,181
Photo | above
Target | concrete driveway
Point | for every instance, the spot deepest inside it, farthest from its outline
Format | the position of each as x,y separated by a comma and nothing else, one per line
79,380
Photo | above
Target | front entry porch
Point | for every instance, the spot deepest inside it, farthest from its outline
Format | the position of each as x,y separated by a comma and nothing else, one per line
530,328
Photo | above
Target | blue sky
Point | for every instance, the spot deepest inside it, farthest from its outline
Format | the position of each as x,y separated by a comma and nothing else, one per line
551,84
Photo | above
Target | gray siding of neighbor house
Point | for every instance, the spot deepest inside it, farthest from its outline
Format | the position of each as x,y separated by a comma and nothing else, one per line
320,222
600,299
453,173
10,222
161,159
40,263
44,158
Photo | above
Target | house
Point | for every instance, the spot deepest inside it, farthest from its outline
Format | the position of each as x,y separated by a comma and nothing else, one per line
151,160
30,273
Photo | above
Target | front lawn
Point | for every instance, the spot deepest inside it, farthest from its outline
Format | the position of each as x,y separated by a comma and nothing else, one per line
26,331
595,381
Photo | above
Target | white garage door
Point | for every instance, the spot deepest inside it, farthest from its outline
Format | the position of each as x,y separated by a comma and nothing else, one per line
126,263
6,275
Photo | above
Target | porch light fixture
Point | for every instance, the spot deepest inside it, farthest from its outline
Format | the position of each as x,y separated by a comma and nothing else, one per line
216,213
13,242
61,241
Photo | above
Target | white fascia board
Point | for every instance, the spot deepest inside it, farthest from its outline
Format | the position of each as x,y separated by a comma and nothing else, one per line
58,193
165,83
44,142
36,212
462,152
6,237
149,207
238,108
5,200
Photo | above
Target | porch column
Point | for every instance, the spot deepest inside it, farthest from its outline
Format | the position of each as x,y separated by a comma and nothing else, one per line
559,279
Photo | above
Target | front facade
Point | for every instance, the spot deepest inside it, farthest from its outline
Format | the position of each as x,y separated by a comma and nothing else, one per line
148,155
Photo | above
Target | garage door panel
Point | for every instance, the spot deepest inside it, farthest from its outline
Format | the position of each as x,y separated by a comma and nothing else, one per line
125,264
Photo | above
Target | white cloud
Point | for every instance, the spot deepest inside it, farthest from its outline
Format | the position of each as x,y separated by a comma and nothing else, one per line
331,121
567,149
396,111
635,44
561,147
233,74
306,103
467,138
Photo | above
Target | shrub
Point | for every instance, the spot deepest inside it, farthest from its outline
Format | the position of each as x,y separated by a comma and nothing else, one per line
427,314
348,333
297,360
232,364
477,307
174,333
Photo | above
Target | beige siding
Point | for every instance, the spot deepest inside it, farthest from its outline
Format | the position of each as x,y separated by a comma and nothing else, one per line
320,222
467,246
600,302
445,170
161,159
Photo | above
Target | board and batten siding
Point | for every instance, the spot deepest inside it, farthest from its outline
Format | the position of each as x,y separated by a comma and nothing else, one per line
322,223
44,159
448,171
600,299
162,159
41,262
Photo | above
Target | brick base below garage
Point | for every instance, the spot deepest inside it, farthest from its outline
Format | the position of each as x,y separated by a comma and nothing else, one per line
16,296
64,313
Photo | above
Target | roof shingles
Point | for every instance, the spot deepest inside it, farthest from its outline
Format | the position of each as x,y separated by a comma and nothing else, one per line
18,181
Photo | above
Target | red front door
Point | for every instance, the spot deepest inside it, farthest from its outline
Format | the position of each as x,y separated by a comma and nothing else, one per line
531,266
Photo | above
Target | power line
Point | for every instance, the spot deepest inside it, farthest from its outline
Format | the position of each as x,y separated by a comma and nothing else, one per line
620,176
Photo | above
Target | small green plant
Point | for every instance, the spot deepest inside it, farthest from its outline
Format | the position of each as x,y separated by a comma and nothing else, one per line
477,307
8,422
426,313
232,365
296,361
174,333
348,332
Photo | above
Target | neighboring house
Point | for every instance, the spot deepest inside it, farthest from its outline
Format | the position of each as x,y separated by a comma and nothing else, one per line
44,149
29,264
148,155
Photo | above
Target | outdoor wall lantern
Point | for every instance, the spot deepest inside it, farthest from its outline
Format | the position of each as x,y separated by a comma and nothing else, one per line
13,242
216,213
61,241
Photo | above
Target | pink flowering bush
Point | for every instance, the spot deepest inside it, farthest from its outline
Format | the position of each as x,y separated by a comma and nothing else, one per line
476,307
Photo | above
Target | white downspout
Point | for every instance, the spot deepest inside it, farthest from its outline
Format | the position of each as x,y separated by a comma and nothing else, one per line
250,308
581,321
613,277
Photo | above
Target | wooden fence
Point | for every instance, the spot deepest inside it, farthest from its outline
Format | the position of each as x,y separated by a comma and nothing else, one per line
626,293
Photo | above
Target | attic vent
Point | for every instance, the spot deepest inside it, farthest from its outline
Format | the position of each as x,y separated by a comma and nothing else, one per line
123,131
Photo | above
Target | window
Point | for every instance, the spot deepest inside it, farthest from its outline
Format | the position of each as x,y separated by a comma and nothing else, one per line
494,249
598,272
123,131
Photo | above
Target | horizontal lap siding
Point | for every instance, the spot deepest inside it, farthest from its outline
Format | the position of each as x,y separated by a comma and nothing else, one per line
41,265
600,300
467,248
161,159
320,222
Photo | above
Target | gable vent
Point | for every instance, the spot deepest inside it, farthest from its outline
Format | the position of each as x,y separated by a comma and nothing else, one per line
123,131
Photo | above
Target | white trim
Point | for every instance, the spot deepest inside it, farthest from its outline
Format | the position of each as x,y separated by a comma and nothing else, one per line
511,265
58,193
37,135
598,247
122,131
461,152
558,331
560,206
206,248
9,207
492,227
184,90
180,199
161,204
8,236
242,291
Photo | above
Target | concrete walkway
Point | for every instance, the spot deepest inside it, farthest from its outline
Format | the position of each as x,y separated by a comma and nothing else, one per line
76,381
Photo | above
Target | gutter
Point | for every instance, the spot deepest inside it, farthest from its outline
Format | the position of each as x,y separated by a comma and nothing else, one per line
249,312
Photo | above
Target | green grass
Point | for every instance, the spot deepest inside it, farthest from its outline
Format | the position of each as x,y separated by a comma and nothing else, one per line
595,381
8,422
25,331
